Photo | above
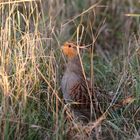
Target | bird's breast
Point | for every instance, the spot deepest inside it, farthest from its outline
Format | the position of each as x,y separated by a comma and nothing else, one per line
68,81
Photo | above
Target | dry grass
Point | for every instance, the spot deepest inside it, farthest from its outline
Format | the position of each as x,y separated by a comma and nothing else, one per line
31,66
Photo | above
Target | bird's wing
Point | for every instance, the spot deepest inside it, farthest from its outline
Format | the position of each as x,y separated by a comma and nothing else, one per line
80,94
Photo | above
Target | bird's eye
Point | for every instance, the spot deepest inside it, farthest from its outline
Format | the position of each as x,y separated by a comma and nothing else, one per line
69,45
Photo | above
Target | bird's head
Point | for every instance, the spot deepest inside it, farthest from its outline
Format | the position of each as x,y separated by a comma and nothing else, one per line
70,50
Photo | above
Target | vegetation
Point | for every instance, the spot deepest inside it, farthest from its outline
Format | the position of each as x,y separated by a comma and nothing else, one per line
31,66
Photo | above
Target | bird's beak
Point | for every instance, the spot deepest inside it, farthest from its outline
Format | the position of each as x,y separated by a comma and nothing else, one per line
62,48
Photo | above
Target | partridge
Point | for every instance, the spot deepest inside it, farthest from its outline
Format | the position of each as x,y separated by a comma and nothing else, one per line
85,101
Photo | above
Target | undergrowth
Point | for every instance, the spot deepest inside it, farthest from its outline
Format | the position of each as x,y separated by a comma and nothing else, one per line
32,65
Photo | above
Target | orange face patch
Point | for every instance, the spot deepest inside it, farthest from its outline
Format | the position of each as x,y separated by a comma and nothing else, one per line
69,50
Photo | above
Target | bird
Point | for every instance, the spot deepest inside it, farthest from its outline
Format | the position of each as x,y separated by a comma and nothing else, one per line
84,100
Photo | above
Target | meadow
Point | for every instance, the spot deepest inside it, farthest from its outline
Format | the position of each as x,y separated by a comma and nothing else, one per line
32,64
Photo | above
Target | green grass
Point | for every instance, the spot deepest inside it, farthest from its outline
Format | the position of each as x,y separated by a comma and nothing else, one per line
32,64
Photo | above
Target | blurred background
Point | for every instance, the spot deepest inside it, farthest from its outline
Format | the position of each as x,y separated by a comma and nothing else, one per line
32,64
